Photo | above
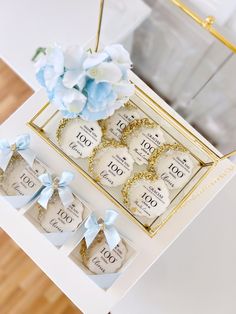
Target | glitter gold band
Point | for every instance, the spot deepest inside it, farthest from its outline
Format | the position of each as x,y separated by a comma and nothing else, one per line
146,175
84,251
103,123
100,147
61,126
158,152
135,125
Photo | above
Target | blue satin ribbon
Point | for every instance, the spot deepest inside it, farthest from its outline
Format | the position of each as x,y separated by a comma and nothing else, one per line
20,145
93,227
59,184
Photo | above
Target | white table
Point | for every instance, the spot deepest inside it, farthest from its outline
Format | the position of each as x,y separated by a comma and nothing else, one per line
197,273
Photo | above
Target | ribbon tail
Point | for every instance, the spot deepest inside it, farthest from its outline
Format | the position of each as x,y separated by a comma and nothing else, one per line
91,222
90,235
66,196
66,178
112,237
5,159
28,155
45,196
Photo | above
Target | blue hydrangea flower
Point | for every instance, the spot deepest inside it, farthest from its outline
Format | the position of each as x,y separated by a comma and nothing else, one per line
85,84
70,101
74,72
49,68
100,97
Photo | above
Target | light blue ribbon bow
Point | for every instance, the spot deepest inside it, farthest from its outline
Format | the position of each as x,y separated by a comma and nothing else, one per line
59,184
21,145
93,227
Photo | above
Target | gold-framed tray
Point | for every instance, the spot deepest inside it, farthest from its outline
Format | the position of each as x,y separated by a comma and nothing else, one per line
176,131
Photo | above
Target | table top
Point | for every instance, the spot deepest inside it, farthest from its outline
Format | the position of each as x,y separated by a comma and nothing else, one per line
46,256
197,273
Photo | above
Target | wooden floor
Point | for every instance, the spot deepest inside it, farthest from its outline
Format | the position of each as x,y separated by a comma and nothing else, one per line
24,288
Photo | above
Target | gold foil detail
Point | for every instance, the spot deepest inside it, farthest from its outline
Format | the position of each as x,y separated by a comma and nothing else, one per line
62,124
103,123
84,251
100,147
135,125
157,153
146,175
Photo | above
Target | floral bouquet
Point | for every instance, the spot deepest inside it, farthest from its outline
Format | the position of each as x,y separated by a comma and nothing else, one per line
84,84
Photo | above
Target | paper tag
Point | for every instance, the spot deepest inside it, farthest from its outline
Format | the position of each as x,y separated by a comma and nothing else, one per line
59,219
113,166
20,179
175,168
78,138
142,143
119,120
148,198
103,261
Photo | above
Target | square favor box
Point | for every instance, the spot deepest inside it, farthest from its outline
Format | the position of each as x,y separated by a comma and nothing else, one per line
45,220
19,183
105,280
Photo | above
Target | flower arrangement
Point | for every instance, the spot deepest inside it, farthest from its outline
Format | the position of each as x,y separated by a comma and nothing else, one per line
84,84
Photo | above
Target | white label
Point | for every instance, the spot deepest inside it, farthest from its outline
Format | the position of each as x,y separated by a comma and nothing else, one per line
79,137
120,119
149,198
20,179
142,144
59,219
103,261
113,166
175,168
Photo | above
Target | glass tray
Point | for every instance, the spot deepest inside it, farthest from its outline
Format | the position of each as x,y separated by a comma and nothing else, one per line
46,121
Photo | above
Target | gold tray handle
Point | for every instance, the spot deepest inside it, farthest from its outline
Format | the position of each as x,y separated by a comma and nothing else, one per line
99,26
231,154
205,23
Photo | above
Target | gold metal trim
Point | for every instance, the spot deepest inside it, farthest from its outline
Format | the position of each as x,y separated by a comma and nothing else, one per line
231,154
99,25
49,119
183,201
205,23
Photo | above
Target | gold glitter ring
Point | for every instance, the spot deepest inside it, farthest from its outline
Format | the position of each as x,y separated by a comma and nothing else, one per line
135,125
157,153
151,176
100,147
103,123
